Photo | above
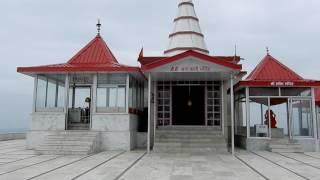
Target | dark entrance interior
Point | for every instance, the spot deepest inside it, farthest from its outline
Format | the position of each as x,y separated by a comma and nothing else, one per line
79,108
188,106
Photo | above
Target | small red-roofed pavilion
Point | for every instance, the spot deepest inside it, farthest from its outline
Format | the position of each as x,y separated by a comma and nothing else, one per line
275,102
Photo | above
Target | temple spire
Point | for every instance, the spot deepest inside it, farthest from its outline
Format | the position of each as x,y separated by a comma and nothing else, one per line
187,33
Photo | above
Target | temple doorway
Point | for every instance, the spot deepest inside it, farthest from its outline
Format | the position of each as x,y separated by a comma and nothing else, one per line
188,105
79,113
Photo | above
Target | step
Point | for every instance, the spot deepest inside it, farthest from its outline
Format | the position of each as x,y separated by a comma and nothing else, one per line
284,146
188,128
82,143
69,142
73,132
157,145
179,136
54,147
188,150
70,138
50,152
191,140
189,131
290,150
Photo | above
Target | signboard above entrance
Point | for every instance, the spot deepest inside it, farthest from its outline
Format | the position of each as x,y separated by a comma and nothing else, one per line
192,65
282,83
195,68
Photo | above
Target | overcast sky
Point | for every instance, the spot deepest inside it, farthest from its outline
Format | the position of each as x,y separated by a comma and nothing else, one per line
37,32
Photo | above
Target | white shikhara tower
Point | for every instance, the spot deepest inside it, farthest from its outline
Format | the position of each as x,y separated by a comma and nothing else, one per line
187,33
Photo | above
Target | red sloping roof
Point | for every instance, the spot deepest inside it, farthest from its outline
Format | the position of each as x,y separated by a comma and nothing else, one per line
147,60
154,63
95,52
95,56
271,72
271,69
317,96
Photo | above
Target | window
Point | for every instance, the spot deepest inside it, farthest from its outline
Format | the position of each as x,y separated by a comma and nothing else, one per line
302,123
295,91
49,93
264,91
280,116
240,117
259,117
111,93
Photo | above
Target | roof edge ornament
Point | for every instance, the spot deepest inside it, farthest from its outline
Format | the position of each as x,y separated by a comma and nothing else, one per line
98,26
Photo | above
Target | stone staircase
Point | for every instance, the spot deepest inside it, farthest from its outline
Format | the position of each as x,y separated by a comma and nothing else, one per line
284,145
78,126
70,143
189,139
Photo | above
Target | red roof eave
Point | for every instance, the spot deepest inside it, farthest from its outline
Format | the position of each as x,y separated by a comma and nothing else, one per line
289,83
76,69
211,59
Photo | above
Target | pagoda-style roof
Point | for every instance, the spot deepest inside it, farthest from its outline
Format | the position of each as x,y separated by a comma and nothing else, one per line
94,57
271,72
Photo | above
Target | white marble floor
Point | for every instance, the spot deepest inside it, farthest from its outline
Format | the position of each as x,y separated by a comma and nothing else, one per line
17,163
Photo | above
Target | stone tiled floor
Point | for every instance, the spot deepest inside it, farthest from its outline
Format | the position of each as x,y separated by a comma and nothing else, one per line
16,163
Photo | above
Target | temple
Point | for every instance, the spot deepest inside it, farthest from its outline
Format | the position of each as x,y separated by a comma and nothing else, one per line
184,100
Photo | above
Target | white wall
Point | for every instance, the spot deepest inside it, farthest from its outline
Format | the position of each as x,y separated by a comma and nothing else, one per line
47,121
118,131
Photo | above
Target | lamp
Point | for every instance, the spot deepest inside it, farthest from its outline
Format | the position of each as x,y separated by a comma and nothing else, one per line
189,101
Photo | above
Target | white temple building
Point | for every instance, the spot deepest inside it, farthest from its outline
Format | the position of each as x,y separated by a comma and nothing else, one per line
187,100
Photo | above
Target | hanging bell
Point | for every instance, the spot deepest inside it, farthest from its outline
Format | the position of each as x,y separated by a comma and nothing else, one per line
189,102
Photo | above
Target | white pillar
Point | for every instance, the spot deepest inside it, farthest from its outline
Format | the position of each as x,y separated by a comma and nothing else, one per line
94,94
232,114
222,108
34,102
127,92
155,109
314,118
66,99
247,112
149,112
94,98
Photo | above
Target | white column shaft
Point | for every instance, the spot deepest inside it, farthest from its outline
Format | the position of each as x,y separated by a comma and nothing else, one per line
232,114
127,92
34,103
66,99
314,118
149,113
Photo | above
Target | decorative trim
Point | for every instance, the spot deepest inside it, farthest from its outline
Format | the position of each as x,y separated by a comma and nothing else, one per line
185,17
185,49
185,3
186,32
301,83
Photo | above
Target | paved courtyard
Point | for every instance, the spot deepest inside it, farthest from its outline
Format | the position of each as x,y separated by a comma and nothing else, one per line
17,163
